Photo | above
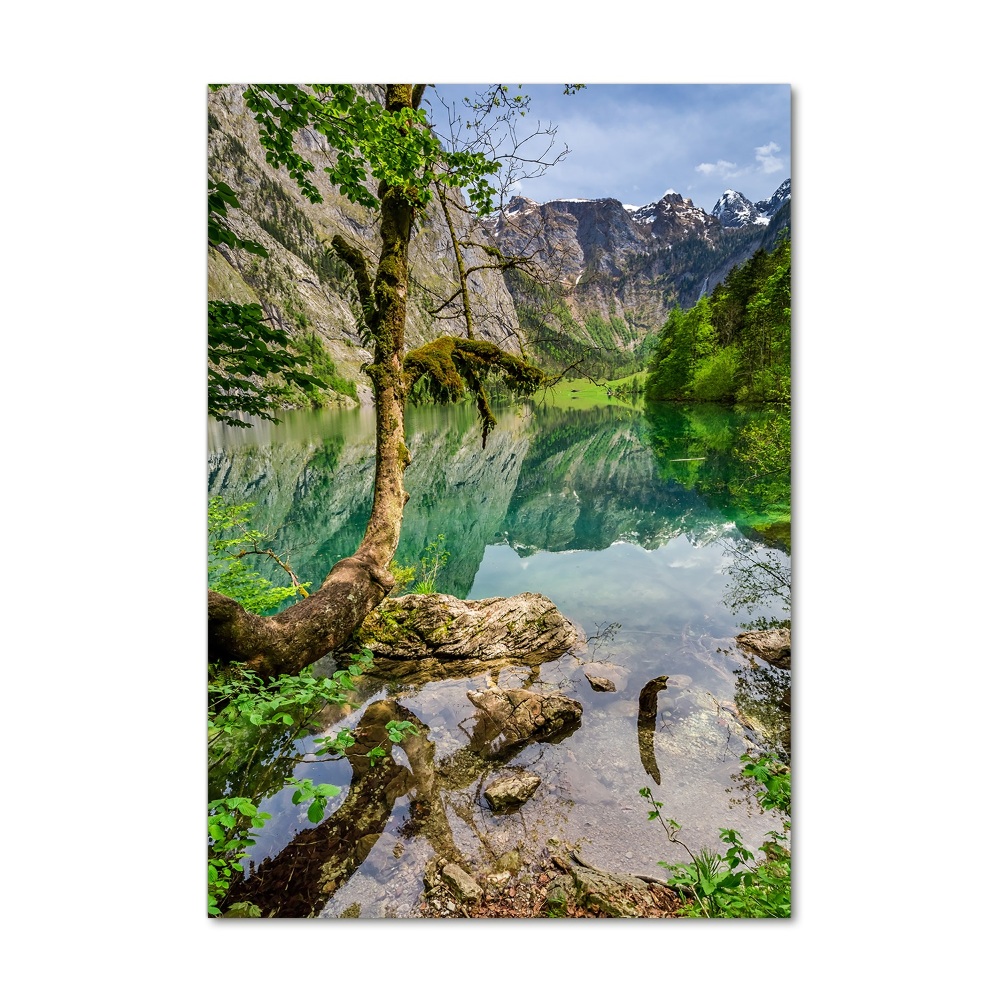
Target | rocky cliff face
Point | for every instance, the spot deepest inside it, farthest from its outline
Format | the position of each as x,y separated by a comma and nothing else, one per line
303,286
615,272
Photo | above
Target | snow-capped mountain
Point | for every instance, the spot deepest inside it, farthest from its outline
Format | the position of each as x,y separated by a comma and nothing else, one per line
734,210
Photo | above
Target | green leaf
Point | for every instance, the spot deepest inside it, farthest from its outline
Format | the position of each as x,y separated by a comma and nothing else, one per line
316,811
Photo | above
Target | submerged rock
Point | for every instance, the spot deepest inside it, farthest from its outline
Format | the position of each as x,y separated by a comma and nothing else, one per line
519,715
646,724
512,790
600,683
773,645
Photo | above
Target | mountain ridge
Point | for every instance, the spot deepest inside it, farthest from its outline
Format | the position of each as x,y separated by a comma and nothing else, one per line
618,270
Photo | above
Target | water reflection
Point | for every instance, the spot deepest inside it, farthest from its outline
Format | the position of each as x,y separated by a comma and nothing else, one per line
316,862
549,480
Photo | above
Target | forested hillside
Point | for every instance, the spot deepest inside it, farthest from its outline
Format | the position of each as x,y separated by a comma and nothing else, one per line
735,344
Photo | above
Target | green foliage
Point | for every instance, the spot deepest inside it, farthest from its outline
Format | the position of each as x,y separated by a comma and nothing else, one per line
254,722
228,842
251,366
764,448
397,148
734,345
316,795
446,367
612,334
735,883
239,699
433,559
714,377
403,575
221,197
398,731
253,725
325,369
230,542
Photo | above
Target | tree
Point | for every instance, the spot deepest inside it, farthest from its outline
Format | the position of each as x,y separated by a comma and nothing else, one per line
393,143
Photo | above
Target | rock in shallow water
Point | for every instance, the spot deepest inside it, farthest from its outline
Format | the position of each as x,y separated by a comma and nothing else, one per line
512,790
773,645
526,628
522,715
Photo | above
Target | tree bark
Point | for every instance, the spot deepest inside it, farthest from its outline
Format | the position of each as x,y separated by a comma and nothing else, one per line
322,622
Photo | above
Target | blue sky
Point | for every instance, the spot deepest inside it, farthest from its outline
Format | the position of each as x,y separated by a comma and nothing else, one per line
634,141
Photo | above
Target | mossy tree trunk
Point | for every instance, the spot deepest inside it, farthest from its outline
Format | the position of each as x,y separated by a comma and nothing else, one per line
325,620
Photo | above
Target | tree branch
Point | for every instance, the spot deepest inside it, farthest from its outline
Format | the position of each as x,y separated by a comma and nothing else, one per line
285,566
355,260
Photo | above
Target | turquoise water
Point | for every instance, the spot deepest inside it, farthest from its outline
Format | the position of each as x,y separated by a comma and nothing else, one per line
661,534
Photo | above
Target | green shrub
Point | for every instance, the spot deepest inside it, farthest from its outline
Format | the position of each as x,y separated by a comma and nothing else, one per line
736,883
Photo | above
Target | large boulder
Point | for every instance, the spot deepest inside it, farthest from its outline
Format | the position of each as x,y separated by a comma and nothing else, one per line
773,645
436,635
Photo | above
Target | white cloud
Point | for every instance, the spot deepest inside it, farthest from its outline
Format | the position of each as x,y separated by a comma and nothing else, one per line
721,168
766,160
766,163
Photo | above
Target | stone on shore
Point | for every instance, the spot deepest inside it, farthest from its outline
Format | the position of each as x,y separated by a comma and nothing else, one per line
464,887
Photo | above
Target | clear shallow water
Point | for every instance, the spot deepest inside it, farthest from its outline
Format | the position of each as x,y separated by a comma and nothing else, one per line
644,529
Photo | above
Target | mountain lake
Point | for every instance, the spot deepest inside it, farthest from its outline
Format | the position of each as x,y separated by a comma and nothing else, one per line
645,527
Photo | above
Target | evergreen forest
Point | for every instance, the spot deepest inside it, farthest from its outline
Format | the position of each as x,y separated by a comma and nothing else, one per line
735,344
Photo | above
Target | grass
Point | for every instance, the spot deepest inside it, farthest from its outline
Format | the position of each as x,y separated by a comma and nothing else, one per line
582,394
